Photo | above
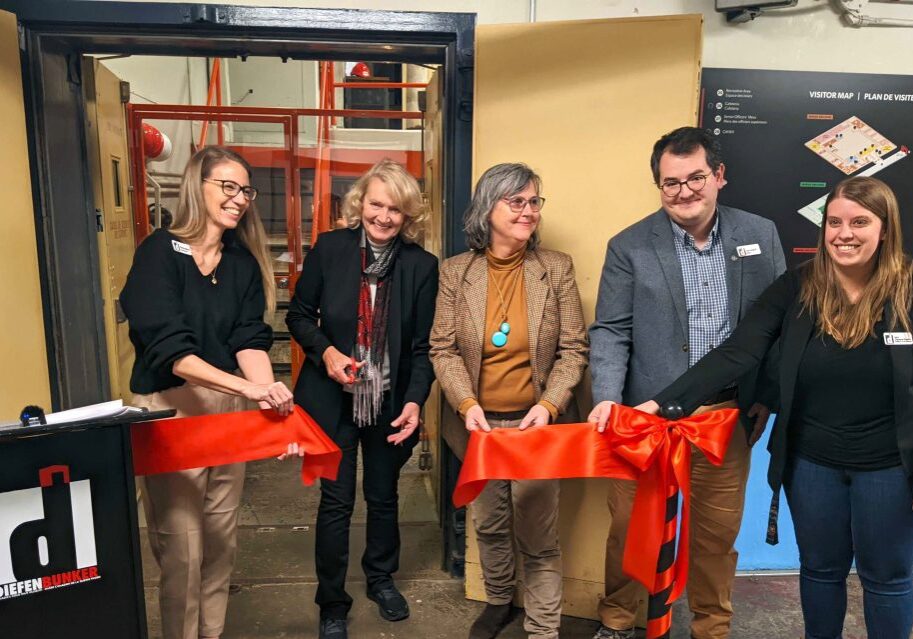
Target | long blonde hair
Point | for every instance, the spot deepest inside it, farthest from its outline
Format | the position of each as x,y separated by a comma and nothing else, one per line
848,323
190,217
403,190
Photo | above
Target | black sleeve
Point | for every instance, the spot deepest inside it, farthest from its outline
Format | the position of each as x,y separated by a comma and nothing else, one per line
422,374
744,350
151,300
250,331
303,315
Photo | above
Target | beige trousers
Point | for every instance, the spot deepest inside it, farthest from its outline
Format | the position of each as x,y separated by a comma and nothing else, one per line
192,520
525,512
717,502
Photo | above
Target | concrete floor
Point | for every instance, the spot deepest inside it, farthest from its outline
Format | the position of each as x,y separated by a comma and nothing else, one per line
274,573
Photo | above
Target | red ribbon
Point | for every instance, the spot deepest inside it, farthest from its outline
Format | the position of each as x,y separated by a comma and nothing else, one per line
169,445
635,445
661,451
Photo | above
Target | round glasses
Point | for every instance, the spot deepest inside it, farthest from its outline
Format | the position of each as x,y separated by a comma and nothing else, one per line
671,188
517,204
232,188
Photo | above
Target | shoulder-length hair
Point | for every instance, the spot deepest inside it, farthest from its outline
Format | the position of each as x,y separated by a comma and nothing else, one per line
500,181
189,222
403,190
848,323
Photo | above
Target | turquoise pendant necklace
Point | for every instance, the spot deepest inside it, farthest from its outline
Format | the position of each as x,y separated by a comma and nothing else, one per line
499,337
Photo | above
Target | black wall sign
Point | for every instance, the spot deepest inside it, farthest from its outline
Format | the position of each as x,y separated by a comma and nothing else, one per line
69,561
788,137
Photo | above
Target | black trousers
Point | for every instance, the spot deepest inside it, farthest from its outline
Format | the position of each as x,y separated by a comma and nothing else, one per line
382,462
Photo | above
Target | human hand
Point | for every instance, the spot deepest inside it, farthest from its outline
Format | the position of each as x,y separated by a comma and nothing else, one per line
761,413
600,415
340,368
407,422
294,450
475,419
649,407
276,396
538,415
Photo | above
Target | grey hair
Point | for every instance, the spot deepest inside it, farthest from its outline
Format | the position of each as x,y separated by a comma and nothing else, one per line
501,180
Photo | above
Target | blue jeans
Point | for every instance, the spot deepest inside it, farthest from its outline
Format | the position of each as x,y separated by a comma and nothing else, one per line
842,514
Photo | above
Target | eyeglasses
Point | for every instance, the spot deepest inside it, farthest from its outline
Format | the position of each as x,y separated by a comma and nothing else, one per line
232,188
517,204
673,187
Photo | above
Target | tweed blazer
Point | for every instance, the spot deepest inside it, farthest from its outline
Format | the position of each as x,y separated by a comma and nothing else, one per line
557,334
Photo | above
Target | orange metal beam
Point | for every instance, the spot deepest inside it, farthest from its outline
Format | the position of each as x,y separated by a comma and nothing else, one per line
380,85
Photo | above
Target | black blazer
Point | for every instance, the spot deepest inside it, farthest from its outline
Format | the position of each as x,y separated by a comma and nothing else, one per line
324,312
777,315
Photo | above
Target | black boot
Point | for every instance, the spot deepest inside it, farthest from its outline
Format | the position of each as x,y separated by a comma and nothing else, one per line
490,622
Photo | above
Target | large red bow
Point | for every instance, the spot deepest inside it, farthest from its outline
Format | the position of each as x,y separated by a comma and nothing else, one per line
635,445
168,445
661,450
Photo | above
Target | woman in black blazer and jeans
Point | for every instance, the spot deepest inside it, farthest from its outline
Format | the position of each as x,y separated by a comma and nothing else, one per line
362,313
842,444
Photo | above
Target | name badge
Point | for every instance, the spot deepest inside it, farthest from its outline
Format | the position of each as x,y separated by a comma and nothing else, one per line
180,247
747,250
898,339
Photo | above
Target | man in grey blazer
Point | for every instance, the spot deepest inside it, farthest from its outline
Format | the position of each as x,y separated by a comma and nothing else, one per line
673,286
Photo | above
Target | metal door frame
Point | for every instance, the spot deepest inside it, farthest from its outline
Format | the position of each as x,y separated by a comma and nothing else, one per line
53,34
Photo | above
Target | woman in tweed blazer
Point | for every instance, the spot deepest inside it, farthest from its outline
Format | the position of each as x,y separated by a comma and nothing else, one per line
508,346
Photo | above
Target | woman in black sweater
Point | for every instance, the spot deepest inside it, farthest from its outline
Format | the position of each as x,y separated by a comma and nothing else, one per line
842,444
195,298
362,313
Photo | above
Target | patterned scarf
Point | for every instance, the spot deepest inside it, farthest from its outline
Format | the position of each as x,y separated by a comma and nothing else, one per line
371,338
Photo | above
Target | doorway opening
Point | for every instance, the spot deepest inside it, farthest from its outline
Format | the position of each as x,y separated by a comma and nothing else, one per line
305,155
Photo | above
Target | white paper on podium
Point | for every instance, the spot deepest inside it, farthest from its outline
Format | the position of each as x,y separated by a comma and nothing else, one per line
94,411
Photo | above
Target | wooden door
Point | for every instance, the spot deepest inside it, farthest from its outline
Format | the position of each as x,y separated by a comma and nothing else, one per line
24,373
583,102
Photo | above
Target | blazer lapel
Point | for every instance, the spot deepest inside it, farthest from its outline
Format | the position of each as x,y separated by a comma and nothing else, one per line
475,290
394,320
350,276
663,244
536,293
791,350
902,370
728,233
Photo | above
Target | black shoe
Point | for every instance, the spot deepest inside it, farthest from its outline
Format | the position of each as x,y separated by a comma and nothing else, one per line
390,602
490,622
333,629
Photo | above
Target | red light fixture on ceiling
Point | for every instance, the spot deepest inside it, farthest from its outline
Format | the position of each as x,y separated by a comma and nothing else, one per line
360,70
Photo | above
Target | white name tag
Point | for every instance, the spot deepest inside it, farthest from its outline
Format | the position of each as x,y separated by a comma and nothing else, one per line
747,250
898,339
180,247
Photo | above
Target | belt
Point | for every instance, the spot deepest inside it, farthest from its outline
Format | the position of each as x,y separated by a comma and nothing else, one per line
725,395
508,417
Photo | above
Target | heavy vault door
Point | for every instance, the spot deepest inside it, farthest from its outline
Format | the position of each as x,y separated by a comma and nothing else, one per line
106,142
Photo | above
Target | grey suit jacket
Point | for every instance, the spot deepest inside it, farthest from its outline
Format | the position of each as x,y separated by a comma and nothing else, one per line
639,341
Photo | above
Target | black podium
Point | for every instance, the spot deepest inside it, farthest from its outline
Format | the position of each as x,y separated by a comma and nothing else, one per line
70,561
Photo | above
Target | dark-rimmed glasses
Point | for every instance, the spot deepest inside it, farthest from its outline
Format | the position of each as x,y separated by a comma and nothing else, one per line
232,188
696,183
517,204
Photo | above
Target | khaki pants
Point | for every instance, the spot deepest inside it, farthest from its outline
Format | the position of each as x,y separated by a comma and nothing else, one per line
717,502
192,519
528,512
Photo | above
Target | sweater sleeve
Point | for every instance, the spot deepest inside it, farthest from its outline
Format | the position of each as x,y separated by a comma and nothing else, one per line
746,347
151,300
250,331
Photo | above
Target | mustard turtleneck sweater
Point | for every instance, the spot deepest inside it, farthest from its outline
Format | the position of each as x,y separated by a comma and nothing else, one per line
506,376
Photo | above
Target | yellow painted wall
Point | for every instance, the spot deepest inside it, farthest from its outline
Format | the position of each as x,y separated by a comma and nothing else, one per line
582,103
23,357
